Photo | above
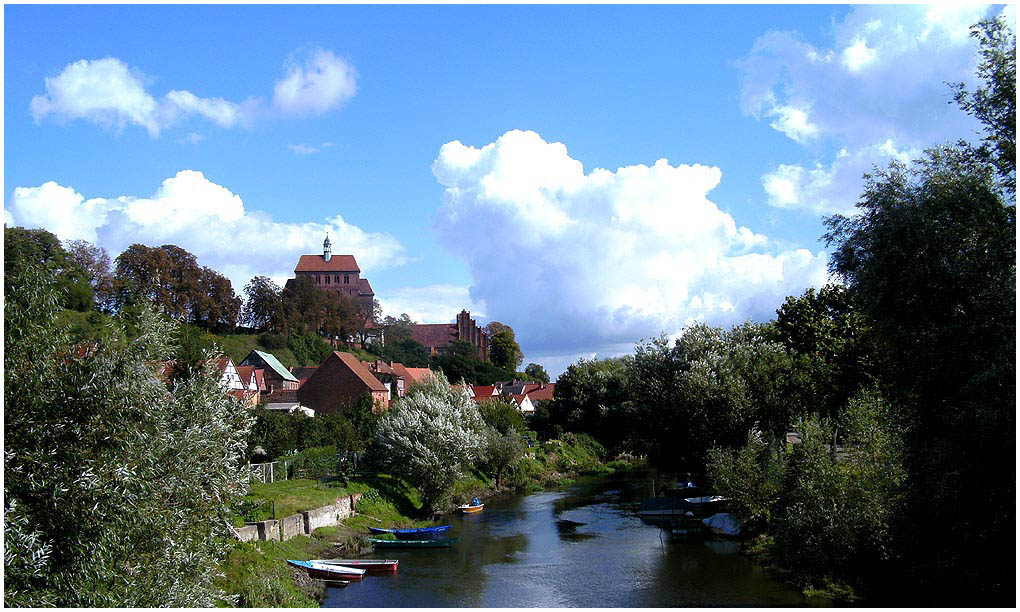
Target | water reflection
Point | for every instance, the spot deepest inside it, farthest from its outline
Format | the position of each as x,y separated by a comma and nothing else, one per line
557,548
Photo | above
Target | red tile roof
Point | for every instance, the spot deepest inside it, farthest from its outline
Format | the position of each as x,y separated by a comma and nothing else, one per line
433,334
245,374
419,374
337,263
485,390
260,379
542,393
364,288
361,371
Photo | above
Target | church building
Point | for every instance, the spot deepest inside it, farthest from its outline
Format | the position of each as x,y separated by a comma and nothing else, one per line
339,273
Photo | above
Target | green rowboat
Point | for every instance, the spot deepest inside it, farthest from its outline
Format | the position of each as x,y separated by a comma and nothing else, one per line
439,543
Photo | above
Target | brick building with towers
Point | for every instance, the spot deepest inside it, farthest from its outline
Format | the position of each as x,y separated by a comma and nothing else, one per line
339,273
436,336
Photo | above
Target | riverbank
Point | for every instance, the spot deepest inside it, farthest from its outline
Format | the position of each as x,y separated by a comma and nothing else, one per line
257,574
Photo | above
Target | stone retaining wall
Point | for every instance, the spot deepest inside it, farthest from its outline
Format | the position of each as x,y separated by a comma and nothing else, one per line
303,523
247,533
291,526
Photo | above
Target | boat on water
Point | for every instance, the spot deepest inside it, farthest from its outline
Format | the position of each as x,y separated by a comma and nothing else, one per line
328,571
676,506
415,533
474,506
436,543
371,566
706,504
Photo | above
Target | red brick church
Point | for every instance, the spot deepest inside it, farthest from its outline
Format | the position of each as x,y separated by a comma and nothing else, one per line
338,273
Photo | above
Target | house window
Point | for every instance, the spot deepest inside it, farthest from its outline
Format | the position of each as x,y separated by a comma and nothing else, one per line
318,279
336,279
347,279
327,279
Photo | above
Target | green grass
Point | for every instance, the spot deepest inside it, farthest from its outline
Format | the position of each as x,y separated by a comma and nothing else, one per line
291,496
386,501
238,346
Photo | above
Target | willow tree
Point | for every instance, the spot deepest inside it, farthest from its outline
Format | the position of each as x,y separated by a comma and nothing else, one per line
431,437
115,487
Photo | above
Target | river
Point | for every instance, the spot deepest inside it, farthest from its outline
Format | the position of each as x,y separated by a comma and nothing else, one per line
582,546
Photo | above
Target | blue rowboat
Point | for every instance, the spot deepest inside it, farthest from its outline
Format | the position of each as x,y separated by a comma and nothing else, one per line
414,533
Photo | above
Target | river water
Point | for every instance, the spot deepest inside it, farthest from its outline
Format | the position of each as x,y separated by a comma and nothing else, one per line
582,546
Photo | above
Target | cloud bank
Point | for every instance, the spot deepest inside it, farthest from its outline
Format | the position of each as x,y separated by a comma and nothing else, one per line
589,262
876,94
203,217
109,92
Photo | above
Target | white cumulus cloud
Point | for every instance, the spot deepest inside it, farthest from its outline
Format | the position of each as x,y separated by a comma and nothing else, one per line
824,189
203,217
881,77
592,260
109,92
322,84
429,304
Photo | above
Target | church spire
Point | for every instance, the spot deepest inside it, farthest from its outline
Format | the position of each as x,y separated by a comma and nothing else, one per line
326,248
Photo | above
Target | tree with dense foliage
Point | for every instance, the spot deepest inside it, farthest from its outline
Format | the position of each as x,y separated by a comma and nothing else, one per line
459,360
536,373
116,489
262,306
94,261
398,328
502,452
994,104
430,437
502,415
504,351
367,320
408,352
593,396
170,279
833,349
708,390
308,309
931,257
25,247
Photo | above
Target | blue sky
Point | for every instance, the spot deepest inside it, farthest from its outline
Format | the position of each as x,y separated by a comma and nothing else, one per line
455,150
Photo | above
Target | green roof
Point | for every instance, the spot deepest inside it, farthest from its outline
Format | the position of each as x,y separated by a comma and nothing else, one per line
274,363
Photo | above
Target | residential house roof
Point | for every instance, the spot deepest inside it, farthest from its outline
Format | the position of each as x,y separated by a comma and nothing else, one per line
519,388
247,375
419,375
336,263
523,403
361,371
277,367
544,392
260,379
485,390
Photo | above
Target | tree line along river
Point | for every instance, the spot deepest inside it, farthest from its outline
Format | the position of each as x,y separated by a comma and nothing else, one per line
581,546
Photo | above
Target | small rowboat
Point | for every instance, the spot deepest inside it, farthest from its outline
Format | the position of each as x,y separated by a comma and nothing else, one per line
474,506
416,533
329,571
369,565
437,543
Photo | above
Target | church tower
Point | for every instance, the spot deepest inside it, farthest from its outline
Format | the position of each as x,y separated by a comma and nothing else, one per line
326,249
